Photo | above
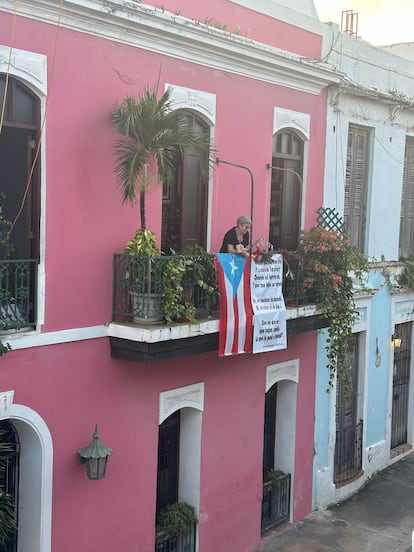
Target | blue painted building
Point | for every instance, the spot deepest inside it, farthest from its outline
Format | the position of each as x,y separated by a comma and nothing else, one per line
369,180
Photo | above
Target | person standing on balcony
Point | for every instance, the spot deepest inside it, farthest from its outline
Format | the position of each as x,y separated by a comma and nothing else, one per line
237,239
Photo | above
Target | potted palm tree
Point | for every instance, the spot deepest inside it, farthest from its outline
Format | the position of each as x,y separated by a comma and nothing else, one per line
151,133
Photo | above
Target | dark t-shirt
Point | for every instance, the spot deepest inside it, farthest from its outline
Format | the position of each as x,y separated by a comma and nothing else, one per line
230,238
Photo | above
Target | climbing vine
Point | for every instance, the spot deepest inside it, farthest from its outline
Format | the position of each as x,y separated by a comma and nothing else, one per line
329,262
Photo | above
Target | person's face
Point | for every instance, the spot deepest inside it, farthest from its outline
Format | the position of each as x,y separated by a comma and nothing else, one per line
244,228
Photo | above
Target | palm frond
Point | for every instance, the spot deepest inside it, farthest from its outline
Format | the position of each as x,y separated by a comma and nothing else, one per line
152,133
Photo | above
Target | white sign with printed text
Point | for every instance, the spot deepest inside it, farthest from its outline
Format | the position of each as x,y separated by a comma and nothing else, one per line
269,333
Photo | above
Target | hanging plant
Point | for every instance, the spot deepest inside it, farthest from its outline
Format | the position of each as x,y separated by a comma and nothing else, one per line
406,278
176,305
329,259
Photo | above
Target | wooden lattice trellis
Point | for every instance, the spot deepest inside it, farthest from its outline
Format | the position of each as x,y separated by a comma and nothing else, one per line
330,219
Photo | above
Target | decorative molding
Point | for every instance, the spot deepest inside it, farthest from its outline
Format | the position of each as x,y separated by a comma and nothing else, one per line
187,98
36,473
285,118
361,314
288,370
34,339
6,402
28,66
183,397
165,33
403,311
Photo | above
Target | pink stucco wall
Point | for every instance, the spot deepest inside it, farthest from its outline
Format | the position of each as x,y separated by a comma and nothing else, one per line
74,386
85,220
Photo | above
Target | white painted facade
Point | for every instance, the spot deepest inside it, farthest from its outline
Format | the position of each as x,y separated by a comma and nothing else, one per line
376,92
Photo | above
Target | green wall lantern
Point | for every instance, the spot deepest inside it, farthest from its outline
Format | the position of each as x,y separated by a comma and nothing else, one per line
95,457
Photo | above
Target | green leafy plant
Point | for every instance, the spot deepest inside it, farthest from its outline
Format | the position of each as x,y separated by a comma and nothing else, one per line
329,260
138,272
4,348
176,518
189,283
406,278
142,277
6,248
143,243
204,275
176,305
274,477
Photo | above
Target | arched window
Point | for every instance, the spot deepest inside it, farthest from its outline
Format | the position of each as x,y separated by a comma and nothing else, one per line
286,189
184,205
19,201
18,182
9,464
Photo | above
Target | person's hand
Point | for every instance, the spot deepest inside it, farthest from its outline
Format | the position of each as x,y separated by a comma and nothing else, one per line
241,250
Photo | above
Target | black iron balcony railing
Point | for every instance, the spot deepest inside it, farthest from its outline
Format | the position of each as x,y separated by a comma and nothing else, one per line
348,453
294,292
184,542
139,286
275,502
142,285
17,294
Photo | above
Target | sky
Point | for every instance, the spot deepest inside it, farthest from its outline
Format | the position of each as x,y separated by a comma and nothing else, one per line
379,21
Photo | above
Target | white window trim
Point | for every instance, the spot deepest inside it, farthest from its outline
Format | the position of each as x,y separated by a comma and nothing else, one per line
288,370
31,69
191,396
287,375
286,118
36,470
190,400
203,103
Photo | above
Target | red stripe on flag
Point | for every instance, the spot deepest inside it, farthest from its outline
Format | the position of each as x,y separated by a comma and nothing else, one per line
235,348
223,308
236,314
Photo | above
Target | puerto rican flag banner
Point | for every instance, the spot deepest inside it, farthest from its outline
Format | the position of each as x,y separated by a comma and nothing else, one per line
236,314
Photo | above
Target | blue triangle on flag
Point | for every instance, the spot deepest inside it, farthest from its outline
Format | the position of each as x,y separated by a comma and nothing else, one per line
233,266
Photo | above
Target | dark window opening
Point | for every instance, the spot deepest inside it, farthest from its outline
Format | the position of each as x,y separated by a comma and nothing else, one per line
349,430
185,198
286,190
168,461
18,182
269,430
401,385
20,202
9,474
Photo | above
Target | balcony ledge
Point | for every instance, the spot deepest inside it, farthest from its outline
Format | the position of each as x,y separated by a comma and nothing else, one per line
158,342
